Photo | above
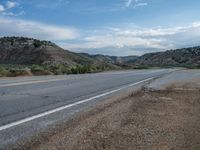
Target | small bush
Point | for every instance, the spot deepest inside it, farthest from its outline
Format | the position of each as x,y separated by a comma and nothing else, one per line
141,67
39,70
3,72
82,69
58,69
18,72
192,66
37,43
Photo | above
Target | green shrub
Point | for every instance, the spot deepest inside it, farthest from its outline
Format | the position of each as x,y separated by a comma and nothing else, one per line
197,66
58,69
141,67
81,69
3,72
37,43
18,72
39,70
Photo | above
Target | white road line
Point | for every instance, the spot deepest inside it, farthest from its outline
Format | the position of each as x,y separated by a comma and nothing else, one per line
30,82
4,127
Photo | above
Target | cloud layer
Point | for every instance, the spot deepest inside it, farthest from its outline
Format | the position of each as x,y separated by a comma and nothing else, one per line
2,9
110,40
128,3
138,40
135,3
11,4
129,40
16,27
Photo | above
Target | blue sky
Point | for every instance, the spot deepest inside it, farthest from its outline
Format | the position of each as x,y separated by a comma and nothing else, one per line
112,27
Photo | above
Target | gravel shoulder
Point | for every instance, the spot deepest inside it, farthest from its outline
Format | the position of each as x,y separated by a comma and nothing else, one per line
153,119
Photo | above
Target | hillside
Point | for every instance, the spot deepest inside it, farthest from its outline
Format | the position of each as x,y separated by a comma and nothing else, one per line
186,57
44,57
20,52
26,51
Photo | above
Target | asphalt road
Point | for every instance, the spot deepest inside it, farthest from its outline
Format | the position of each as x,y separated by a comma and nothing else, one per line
36,101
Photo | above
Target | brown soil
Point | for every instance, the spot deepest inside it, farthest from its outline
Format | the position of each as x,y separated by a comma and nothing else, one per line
147,120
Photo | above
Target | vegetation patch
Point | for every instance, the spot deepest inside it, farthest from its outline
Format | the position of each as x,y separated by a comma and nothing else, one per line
7,70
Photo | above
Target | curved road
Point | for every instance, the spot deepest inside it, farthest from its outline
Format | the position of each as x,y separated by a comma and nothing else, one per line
36,100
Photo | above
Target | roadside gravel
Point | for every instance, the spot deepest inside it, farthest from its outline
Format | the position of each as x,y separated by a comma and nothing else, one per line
167,119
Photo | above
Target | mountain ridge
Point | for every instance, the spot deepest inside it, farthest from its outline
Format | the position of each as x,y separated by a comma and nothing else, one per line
29,51
179,57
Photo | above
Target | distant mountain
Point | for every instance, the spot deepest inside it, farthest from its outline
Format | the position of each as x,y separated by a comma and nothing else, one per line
114,59
180,57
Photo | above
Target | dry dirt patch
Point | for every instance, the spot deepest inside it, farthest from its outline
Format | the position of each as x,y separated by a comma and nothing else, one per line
147,120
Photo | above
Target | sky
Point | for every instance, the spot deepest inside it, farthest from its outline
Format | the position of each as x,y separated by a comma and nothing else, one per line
110,27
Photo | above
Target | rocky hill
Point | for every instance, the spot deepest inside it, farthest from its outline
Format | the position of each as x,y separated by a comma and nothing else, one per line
27,51
189,57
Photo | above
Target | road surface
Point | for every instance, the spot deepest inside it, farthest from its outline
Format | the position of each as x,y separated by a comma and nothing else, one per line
30,104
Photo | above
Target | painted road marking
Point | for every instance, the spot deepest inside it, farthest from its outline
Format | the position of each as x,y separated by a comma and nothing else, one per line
4,127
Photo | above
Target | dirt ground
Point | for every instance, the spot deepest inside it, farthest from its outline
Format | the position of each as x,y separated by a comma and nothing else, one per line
146,120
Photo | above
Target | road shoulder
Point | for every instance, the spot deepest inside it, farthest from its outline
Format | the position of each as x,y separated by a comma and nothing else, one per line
148,119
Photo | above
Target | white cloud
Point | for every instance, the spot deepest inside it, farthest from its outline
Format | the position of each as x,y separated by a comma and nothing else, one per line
140,5
16,27
102,41
13,14
137,40
10,4
50,4
2,9
5,10
135,3
128,3
128,40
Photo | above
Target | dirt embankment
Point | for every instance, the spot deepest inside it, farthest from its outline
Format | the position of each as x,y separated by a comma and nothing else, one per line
147,120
